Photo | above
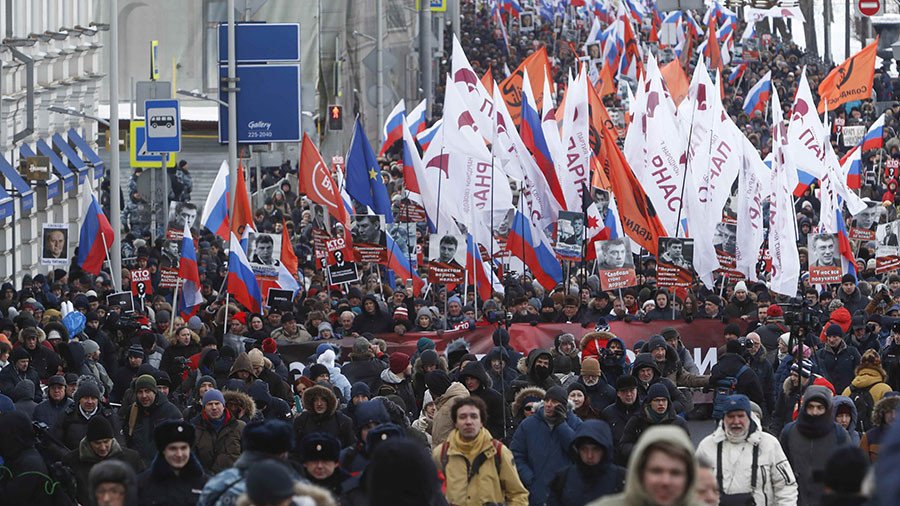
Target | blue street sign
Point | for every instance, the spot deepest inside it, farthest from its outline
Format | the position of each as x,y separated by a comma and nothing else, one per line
163,126
261,42
268,104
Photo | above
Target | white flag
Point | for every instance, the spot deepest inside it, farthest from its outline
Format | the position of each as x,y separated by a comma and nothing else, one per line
782,225
754,186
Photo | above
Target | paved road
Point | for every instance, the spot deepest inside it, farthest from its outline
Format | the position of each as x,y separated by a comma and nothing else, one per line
700,429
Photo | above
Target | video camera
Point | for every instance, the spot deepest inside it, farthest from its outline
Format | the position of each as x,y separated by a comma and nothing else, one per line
798,312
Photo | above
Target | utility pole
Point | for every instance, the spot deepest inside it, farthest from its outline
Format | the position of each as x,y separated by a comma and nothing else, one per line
379,54
425,52
846,29
829,14
231,82
115,186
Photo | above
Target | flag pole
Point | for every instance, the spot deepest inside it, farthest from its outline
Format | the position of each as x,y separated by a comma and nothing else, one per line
116,283
174,307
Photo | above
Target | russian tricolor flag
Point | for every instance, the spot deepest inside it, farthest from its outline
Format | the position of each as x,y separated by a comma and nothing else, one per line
96,236
758,96
416,119
804,179
477,270
846,249
851,167
392,131
737,73
242,284
529,245
874,138
533,137
399,264
190,276
215,212
426,136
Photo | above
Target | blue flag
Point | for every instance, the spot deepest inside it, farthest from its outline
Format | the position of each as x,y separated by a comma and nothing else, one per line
364,182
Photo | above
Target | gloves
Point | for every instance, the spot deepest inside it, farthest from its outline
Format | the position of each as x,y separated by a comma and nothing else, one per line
561,412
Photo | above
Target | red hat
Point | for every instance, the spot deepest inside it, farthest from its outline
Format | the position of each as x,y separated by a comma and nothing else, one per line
269,345
774,311
399,362
241,317
401,313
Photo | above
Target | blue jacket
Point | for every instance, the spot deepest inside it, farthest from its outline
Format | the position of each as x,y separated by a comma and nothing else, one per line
541,451
579,484
838,368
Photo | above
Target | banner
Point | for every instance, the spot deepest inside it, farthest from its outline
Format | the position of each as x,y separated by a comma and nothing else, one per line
569,235
824,259
369,242
55,241
616,264
674,266
446,260
852,134
887,251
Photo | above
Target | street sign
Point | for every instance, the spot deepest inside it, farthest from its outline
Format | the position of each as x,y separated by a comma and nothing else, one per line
870,7
150,90
261,42
140,156
154,60
163,126
268,104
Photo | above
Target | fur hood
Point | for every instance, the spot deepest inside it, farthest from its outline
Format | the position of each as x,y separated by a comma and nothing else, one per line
318,390
602,336
442,365
243,400
883,407
523,394
305,494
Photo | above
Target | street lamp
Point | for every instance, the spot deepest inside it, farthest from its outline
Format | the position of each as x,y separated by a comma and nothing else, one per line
68,111
379,59
201,96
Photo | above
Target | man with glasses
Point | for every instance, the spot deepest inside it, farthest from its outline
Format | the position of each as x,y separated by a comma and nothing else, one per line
756,359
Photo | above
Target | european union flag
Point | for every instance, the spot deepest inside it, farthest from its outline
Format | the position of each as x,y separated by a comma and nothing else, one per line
364,182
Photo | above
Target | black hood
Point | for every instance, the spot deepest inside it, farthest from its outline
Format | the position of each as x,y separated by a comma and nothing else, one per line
18,435
476,370
598,432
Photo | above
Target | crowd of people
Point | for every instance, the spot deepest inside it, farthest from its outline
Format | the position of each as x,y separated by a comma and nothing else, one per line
103,407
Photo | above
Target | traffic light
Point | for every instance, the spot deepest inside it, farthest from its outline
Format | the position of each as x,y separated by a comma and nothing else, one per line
335,117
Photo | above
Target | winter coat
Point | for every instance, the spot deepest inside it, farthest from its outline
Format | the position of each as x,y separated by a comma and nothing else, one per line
775,483
890,362
541,451
872,380
44,360
735,309
377,323
389,385
673,370
496,411
840,400
10,377
25,477
601,395
529,379
140,422
766,376
23,397
365,368
637,425
808,442
646,360
121,382
332,421
443,424
49,411
82,459
225,487
617,415
634,494
217,450
748,384
838,365
268,406
872,439
492,484
854,302
579,484
71,426
160,486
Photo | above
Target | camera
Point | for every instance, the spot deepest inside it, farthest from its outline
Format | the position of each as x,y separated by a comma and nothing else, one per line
797,312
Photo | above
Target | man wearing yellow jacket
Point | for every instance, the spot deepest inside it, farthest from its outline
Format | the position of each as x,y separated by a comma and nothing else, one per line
477,469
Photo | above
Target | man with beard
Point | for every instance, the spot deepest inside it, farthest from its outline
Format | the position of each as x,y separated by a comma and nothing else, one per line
750,454
593,474
596,386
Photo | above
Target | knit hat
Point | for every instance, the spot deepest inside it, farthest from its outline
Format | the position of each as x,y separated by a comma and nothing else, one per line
656,341
423,343
213,395
626,382
257,359
173,431
669,333
18,353
144,381
774,311
428,358
361,345
834,330
195,323
360,388
655,391
317,370
576,386
207,379
320,446
557,393
848,278
98,427
57,379
90,346
163,316
163,379
437,382
399,361
269,345
87,389
740,286
325,326
804,369
733,329
271,437
590,367
454,299
737,402
135,350
401,313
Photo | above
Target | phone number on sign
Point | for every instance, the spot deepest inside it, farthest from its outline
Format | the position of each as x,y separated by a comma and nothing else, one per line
259,135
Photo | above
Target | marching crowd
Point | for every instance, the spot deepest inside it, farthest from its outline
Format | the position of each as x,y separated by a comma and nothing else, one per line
100,407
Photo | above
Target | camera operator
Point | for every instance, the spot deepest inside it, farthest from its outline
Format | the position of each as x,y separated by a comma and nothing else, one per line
730,365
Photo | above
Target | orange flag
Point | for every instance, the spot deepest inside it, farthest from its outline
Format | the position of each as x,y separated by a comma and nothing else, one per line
317,184
606,85
288,257
851,80
611,171
712,51
242,214
511,88
676,80
488,80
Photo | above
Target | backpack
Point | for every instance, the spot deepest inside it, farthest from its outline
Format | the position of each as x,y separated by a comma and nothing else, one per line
724,387
862,399
473,469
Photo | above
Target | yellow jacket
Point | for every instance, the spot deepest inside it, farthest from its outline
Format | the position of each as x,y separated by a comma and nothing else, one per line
871,379
488,485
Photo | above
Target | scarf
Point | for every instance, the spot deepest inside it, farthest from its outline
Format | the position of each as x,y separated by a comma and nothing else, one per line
217,424
471,449
388,377
655,418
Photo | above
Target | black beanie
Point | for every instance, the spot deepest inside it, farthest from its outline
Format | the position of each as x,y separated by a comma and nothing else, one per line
558,394
269,482
99,428
438,382
272,437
